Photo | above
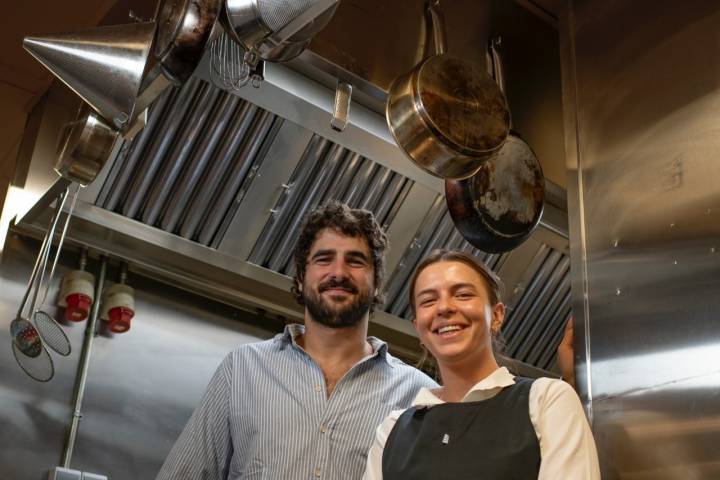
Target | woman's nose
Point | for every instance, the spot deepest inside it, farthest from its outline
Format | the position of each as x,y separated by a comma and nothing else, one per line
445,306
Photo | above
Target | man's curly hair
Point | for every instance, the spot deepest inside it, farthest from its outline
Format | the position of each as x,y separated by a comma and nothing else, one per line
353,222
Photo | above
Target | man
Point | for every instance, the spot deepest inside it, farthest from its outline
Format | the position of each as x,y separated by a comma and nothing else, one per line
306,403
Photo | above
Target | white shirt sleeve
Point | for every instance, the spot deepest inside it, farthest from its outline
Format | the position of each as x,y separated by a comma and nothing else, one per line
373,469
567,448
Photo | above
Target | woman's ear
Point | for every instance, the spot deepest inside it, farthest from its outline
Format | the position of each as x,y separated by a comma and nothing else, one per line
498,317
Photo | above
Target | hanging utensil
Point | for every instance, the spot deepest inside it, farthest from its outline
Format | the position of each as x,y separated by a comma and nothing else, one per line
50,330
447,114
498,208
108,66
23,333
275,30
184,29
40,367
85,146
227,68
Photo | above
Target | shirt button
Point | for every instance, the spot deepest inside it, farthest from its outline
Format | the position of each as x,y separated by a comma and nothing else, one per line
323,429
317,472
318,387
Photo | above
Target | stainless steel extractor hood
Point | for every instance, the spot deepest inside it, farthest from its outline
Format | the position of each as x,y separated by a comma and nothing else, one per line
210,196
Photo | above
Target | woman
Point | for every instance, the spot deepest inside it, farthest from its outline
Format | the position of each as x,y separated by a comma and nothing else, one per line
483,422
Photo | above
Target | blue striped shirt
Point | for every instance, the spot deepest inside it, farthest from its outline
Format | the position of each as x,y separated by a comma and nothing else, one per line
266,415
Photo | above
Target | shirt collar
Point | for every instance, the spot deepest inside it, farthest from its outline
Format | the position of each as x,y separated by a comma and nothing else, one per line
486,388
295,330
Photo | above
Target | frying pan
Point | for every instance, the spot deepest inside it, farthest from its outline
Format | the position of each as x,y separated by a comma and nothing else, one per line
185,27
498,208
447,114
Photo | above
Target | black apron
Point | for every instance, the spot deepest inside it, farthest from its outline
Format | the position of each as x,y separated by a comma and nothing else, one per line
490,439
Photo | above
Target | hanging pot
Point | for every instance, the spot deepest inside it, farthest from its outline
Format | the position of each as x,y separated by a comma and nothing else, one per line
185,28
447,114
85,146
498,208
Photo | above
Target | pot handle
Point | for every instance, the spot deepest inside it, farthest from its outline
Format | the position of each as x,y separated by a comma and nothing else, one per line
497,67
498,73
435,23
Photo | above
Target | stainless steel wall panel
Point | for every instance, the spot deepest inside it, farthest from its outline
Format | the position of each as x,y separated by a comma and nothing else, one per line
202,155
142,385
184,143
211,181
643,87
162,141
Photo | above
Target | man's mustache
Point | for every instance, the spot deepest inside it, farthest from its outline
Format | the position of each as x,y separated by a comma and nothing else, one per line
344,283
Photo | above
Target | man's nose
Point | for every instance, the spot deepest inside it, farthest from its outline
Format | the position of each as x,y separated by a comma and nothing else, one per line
339,269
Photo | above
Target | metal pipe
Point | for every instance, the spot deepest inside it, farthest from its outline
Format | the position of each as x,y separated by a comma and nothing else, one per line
79,391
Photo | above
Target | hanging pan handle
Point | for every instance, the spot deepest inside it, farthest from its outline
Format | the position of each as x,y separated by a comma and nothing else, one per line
435,29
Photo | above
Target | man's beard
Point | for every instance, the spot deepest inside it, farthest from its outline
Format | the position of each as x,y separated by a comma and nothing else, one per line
347,316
